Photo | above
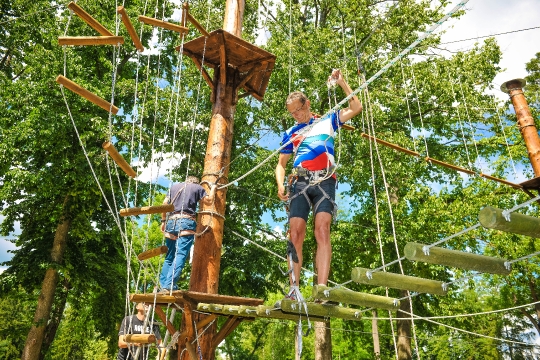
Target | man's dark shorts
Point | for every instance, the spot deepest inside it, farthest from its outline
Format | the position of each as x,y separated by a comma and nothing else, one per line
300,207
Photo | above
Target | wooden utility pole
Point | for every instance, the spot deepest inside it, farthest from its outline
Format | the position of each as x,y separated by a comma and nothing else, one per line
525,122
207,250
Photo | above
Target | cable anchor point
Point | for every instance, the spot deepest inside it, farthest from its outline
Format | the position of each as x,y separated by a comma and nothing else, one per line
425,249
506,215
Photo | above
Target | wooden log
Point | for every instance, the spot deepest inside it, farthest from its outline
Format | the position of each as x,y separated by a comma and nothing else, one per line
458,259
270,312
140,338
157,209
150,298
355,298
119,159
198,26
148,254
390,145
348,127
105,105
493,218
321,310
130,29
90,40
397,281
87,18
247,311
191,351
514,185
163,24
450,166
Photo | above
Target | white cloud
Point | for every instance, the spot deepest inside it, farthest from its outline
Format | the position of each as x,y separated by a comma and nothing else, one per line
498,16
153,171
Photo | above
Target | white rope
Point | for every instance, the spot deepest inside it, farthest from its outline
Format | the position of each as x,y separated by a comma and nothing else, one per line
459,121
505,139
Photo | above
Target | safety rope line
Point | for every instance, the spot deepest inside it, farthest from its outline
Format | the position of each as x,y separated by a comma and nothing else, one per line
406,88
361,87
456,103
505,138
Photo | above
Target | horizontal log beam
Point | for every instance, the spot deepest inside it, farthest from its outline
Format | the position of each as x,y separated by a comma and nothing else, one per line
119,159
157,209
87,18
390,145
163,24
321,310
457,259
90,40
449,166
140,338
514,185
397,281
493,218
270,312
355,298
151,298
148,254
130,29
77,89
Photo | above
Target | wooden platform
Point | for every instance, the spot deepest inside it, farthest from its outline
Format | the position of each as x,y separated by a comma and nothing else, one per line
254,64
533,184
195,322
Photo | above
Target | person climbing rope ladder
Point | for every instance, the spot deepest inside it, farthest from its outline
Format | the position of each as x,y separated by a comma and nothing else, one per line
179,227
313,181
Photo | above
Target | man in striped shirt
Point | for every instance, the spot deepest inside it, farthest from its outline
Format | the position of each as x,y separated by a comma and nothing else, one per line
311,144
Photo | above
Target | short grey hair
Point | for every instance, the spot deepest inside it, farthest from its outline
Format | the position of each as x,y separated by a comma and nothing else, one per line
192,179
296,95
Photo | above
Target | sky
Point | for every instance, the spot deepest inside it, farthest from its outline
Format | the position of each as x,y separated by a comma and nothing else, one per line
483,17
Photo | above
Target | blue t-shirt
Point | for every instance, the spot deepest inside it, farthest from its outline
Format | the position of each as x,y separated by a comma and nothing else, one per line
186,201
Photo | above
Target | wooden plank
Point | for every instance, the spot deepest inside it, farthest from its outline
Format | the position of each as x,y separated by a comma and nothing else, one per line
148,254
227,328
397,281
222,62
79,90
163,24
322,310
457,259
450,166
157,209
493,218
163,317
221,299
205,75
90,40
355,298
89,19
390,145
119,159
130,29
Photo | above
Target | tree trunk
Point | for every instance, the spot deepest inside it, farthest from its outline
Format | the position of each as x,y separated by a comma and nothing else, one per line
375,331
55,318
34,341
404,329
323,340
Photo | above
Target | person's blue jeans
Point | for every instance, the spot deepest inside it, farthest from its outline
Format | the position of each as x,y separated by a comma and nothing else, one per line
177,253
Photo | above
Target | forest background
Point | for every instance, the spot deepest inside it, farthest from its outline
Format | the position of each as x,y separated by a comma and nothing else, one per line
424,103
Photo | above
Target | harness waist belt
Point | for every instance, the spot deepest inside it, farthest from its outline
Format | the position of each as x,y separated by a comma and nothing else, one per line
300,171
181,215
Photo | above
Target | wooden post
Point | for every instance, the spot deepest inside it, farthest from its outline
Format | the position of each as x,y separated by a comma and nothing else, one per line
493,218
207,250
397,281
458,259
163,24
525,121
355,298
